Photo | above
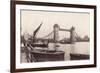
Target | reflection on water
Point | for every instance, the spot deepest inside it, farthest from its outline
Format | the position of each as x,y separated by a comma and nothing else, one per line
78,48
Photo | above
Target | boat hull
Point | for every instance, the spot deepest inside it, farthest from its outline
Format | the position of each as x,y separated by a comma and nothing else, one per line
44,55
79,57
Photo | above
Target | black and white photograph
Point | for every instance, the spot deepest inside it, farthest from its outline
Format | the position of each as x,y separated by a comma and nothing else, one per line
48,36
54,36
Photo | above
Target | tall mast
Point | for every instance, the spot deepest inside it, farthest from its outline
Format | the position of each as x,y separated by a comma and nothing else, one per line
36,31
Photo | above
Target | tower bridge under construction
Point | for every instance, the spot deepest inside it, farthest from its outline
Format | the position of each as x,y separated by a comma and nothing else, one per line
40,55
54,35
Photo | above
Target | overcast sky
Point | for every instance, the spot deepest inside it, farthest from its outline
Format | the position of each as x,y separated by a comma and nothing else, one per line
30,20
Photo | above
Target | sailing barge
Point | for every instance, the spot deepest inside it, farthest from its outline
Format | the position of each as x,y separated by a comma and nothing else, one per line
42,55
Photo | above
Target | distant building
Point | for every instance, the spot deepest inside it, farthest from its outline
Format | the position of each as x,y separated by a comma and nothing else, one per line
86,38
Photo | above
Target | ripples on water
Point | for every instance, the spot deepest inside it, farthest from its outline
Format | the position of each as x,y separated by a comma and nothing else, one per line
78,48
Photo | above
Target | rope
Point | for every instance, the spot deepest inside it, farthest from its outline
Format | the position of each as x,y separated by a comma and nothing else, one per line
48,35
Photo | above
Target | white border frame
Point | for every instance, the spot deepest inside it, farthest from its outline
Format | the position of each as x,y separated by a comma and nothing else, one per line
52,64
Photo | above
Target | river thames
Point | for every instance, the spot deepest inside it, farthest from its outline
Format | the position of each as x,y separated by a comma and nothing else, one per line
77,48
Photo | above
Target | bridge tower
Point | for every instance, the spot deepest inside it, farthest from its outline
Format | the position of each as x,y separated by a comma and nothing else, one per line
72,36
56,36
56,33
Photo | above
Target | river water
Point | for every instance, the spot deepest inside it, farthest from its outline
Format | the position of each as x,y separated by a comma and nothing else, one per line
77,48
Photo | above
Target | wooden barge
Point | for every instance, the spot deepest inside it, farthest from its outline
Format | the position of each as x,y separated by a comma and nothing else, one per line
45,55
79,56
